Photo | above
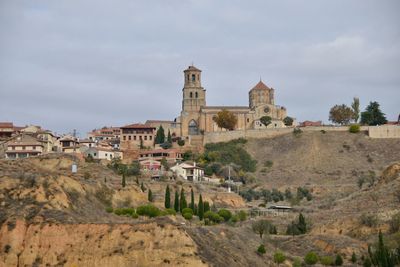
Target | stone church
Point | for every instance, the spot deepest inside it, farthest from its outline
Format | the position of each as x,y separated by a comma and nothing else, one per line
197,118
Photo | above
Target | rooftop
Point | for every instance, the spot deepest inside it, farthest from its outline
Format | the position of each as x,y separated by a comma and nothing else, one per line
260,86
192,68
137,126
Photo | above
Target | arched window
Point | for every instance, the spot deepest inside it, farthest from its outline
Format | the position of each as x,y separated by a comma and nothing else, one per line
191,95
197,95
193,77
193,129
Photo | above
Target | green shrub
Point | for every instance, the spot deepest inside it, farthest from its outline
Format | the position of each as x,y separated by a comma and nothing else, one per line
213,217
148,210
124,211
354,258
338,260
109,209
188,216
296,262
311,258
224,213
279,257
261,249
268,163
327,260
354,128
297,131
242,215
135,216
235,218
394,223
170,211
187,210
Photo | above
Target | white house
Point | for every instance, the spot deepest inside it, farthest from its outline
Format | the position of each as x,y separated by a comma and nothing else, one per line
188,172
102,153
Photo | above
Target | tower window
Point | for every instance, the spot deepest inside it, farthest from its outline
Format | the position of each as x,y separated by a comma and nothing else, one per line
193,77
191,95
188,77
197,95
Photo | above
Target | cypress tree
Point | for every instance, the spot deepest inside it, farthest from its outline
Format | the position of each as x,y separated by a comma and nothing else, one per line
150,196
353,257
192,199
160,135
302,224
183,203
176,203
200,209
167,201
123,180
169,138
206,206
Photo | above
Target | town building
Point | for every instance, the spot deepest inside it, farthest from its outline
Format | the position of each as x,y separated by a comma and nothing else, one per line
105,133
23,146
136,136
197,118
68,144
171,155
102,153
8,129
310,123
188,172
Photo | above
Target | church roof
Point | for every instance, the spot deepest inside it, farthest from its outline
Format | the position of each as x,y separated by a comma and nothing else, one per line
191,68
260,86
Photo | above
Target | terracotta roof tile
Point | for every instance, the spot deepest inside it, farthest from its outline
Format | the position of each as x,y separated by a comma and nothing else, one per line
137,126
260,86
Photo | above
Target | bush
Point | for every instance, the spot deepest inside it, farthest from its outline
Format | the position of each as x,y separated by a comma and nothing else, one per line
297,131
369,220
170,211
213,217
109,209
296,262
338,260
353,258
124,211
235,218
188,216
354,128
327,260
187,210
311,258
268,164
226,214
181,142
394,224
261,249
135,216
148,210
242,215
279,257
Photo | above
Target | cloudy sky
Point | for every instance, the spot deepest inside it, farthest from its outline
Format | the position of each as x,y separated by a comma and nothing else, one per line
85,64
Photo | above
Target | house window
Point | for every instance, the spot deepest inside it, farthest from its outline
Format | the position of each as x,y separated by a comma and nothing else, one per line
145,137
23,147
191,95
124,137
34,148
150,137
106,154
94,154
248,120
197,95
134,137
129,137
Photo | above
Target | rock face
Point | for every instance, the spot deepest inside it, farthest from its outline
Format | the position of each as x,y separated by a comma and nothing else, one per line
155,243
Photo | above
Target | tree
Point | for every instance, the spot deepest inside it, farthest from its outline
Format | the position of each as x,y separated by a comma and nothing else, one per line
266,120
279,257
353,257
224,213
169,137
200,208
123,180
160,136
356,109
311,258
191,199
182,203
288,121
176,202
302,225
141,144
381,256
142,187
341,114
225,119
167,201
373,115
261,249
338,260
150,196
206,206
261,227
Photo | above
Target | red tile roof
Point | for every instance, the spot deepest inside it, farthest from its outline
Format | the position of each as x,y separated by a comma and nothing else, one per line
6,125
137,126
260,86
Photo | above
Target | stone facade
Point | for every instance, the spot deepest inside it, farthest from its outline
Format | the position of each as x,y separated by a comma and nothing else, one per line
196,117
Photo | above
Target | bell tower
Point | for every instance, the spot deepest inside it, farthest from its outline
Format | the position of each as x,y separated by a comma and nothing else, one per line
194,96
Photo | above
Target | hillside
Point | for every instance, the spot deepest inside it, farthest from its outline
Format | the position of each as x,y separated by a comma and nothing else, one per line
52,217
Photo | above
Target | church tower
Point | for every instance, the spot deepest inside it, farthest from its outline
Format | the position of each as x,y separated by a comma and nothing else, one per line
194,96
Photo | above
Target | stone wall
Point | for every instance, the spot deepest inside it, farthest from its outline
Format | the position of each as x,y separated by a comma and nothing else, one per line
384,131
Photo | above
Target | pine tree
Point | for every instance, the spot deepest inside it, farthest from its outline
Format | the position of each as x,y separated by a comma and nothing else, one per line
206,206
176,202
150,196
192,199
167,201
200,208
373,115
123,180
183,203
338,260
160,136
169,138
302,225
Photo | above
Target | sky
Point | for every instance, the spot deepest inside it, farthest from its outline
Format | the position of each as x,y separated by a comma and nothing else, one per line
72,64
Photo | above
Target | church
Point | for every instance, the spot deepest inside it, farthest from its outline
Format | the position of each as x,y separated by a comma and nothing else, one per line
197,118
